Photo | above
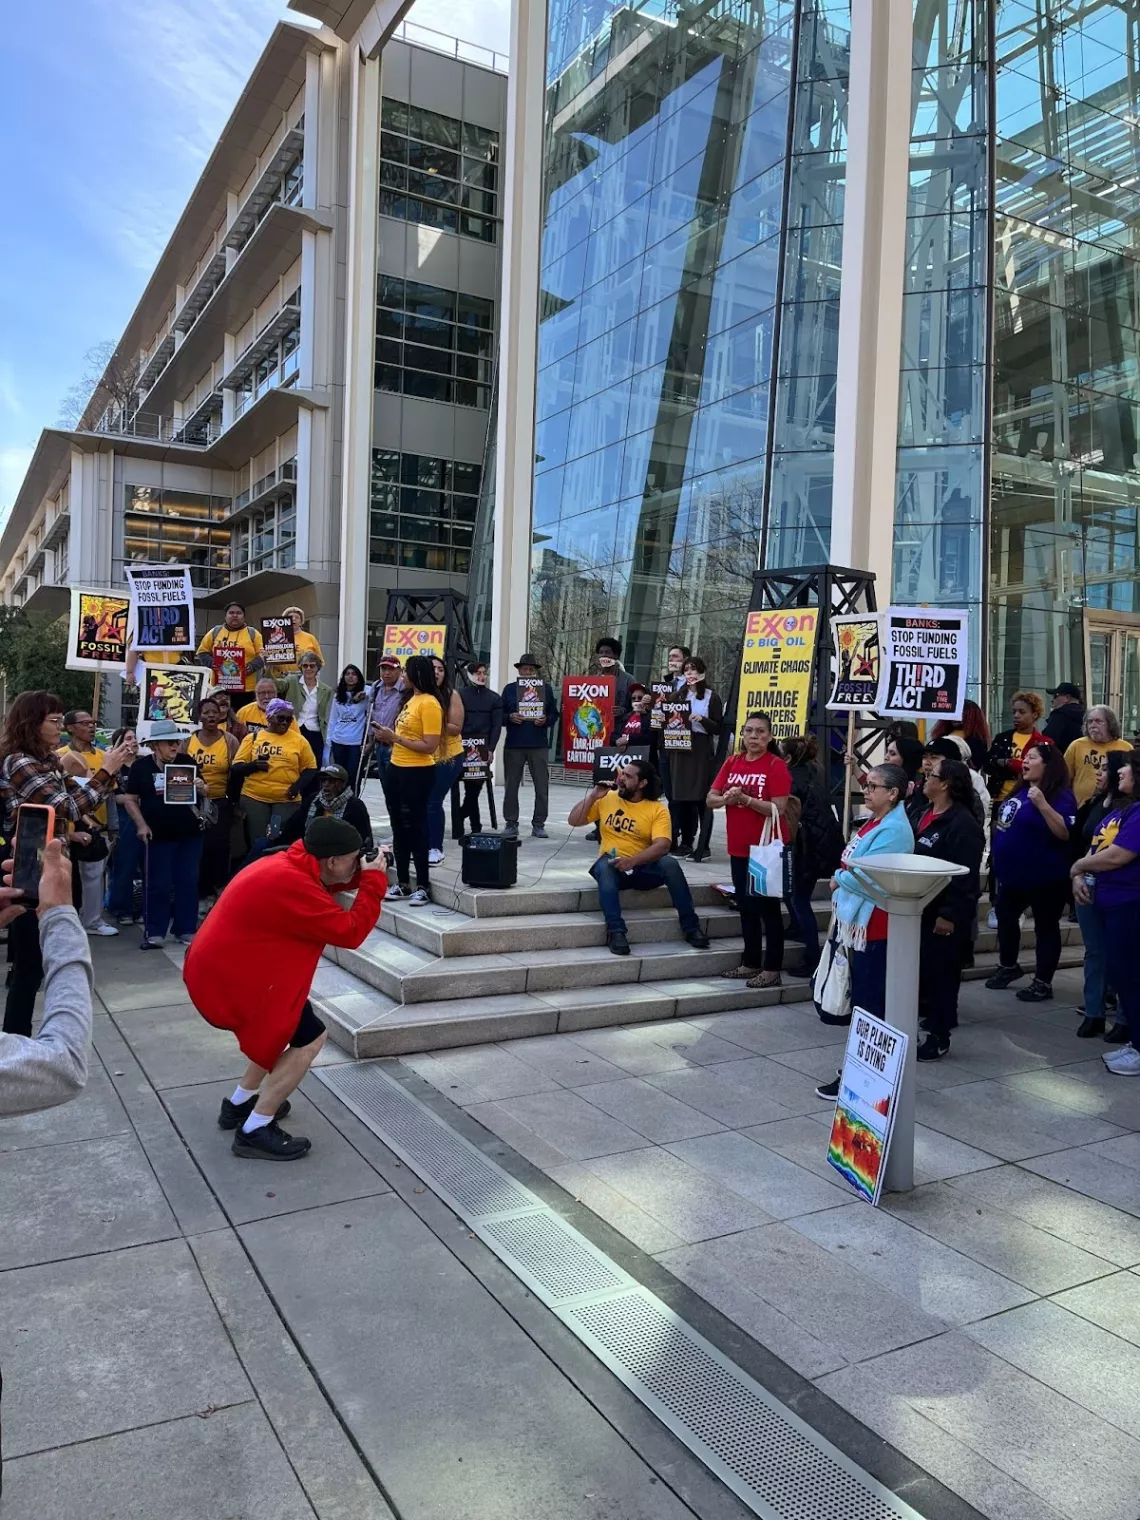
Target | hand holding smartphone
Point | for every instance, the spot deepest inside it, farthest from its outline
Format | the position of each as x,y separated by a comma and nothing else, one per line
35,828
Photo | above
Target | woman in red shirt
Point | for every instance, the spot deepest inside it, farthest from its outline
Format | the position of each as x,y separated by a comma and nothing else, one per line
751,786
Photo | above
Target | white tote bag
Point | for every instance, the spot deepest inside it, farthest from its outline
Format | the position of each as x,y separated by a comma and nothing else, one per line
831,984
766,862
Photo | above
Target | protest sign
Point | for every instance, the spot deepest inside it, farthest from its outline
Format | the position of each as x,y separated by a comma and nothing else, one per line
170,691
97,630
228,662
865,1109
532,697
660,690
277,636
775,668
859,662
924,659
179,784
587,718
476,760
162,608
406,639
608,758
675,714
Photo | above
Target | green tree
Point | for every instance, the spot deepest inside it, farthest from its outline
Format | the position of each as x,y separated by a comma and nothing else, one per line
33,655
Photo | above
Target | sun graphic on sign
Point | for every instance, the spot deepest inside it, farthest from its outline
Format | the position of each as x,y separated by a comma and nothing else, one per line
846,637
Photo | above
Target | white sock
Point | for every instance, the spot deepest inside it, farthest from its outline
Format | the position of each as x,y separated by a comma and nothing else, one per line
243,1094
255,1122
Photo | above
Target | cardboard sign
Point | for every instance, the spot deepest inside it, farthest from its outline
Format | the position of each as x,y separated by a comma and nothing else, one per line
587,717
228,667
775,668
661,690
859,662
676,713
924,662
171,691
179,785
476,760
162,608
609,758
277,636
532,697
97,630
865,1109
406,639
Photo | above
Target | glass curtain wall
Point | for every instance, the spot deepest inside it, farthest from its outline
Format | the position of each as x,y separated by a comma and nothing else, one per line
666,141
1065,485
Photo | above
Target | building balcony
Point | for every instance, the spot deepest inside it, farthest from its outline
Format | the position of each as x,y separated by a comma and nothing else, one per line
265,489
263,421
289,148
203,424
199,295
157,362
56,527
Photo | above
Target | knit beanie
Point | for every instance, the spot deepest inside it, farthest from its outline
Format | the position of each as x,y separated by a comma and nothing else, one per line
331,836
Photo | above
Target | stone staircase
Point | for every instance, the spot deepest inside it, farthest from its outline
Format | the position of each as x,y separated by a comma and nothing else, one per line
481,965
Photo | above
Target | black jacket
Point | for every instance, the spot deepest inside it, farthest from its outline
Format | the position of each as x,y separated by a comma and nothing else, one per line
1000,765
482,714
1064,724
528,735
354,812
954,835
819,842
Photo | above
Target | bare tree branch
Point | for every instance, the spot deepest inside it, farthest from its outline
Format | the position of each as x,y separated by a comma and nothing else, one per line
105,382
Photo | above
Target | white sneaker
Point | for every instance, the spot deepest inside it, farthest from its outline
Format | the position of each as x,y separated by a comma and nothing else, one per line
154,943
104,931
1124,1062
435,857
184,939
991,921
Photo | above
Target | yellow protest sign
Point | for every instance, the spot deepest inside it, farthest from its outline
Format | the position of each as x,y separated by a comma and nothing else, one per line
776,667
406,639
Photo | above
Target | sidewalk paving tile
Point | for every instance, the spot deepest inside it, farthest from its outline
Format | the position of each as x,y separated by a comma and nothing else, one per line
647,1233
171,1355
176,1047
1077,1088
78,1200
568,1124
480,1073
780,1027
222,1465
1095,1227
498,1118
779,1187
562,1059
717,1092
637,1050
648,1110
1075,1460
697,1045
680,1197
1097,1176
932,1276
331,1172
1111,1302
1008,1123
1093,1367
96,1113
817,1290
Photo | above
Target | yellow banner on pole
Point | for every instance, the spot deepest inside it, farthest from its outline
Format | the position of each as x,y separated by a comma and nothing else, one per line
406,639
776,667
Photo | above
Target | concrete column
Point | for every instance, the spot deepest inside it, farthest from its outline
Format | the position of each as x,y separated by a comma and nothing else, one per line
313,129
518,337
360,339
871,289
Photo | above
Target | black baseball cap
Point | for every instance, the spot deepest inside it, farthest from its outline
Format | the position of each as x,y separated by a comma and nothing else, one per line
1066,689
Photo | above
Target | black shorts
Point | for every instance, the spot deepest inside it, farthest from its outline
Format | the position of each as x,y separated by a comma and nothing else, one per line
309,1027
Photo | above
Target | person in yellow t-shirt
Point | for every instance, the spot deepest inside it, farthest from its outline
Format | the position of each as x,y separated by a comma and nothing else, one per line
1085,757
232,646
448,760
253,714
303,643
636,832
212,750
81,757
274,765
414,736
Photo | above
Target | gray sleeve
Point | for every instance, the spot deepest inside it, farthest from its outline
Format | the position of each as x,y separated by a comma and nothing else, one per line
50,1069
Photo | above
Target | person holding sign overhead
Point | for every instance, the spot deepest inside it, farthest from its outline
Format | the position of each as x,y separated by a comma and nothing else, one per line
234,651
691,767
303,643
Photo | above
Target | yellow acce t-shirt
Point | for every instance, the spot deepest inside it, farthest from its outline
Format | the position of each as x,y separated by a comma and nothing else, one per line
1086,761
288,755
247,641
252,716
419,718
213,762
627,828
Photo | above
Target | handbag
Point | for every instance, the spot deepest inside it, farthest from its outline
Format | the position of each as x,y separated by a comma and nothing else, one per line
767,862
831,983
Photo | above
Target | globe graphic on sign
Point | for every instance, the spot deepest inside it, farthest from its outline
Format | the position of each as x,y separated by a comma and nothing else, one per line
588,721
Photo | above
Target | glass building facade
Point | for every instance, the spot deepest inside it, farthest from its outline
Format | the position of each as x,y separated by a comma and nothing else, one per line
685,417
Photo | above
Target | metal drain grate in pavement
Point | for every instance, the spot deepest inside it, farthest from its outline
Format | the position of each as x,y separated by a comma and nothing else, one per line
778,1465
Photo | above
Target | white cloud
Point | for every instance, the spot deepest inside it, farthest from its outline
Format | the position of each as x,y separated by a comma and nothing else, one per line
488,25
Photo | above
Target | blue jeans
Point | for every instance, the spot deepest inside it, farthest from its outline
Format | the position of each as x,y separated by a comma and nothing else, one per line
120,900
347,755
1121,928
802,914
869,978
447,773
665,872
172,882
1096,981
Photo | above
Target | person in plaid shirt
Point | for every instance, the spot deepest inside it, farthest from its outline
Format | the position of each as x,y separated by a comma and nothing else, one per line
30,772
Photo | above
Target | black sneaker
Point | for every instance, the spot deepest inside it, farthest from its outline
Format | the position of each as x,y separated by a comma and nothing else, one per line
829,1090
618,944
232,1114
270,1143
1089,1028
1037,992
933,1048
1117,1035
698,939
1003,977
510,831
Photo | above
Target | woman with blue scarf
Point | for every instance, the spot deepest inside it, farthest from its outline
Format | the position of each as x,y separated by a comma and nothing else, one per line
861,926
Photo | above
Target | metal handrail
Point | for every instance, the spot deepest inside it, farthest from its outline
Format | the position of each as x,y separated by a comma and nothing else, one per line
456,47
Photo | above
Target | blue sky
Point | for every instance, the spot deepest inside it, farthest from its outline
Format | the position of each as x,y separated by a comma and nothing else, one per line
109,109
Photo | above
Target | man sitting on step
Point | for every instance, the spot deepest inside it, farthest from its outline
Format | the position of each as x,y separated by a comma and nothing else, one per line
636,832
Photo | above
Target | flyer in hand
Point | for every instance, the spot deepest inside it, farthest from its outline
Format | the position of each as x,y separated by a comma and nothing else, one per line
532,697
676,714
180,789
277,636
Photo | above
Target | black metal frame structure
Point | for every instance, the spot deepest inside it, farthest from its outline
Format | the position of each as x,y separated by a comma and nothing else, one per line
441,605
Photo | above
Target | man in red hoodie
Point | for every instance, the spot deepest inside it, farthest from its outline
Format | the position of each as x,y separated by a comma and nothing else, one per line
252,962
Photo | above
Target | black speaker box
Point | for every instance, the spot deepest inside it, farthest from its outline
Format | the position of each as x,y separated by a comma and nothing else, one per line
490,860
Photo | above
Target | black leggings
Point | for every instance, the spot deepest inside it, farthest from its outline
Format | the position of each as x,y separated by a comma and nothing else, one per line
25,975
408,790
686,822
761,921
1048,902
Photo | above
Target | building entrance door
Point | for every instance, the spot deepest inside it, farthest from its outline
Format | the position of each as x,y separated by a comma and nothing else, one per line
1112,659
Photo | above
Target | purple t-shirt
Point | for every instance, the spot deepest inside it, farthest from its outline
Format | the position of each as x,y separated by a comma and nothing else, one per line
1115,888
1025,851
